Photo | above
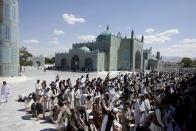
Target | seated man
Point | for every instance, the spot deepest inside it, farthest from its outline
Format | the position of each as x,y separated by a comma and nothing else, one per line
61,115
36,107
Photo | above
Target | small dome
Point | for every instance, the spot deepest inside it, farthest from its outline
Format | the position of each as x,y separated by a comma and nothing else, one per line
86,49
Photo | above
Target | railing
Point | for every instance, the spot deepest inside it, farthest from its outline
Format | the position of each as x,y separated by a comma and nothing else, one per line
178,69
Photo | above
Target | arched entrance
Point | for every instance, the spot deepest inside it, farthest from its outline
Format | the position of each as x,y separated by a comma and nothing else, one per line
88,64
63,63
75,63
138,60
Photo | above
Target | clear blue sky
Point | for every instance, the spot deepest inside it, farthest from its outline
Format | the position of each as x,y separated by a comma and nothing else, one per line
168,25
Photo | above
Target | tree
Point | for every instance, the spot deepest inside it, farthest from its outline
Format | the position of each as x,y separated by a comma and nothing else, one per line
186,62
50,60
24,57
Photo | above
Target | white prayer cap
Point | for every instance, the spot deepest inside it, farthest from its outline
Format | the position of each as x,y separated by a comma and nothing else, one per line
140,95
112,91
98,96
150,112
90,117
115,110
89,111
132,125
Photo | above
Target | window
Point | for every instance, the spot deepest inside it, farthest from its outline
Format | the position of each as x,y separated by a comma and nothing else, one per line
1,8
15,55
0,55
7,10
7,32
13,2
14,12
5,55
14,34
1,31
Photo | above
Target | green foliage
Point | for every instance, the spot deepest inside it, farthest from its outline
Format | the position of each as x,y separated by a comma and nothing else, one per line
24,56
186,62
194,62
50,60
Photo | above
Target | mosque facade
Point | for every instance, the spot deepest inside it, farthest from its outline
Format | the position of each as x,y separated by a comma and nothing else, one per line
109,52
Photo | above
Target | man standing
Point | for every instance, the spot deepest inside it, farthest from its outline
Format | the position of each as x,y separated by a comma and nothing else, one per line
4,92
38,88
98,112
111,121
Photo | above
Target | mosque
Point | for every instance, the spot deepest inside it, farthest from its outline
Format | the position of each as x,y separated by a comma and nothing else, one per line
109,52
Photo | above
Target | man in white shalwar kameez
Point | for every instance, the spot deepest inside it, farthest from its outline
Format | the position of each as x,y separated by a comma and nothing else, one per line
38,88
4,92
142,110
147,103
140,113
71,97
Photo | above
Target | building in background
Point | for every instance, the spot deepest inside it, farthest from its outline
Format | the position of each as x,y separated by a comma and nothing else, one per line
152,62
9,38
37,61
109,52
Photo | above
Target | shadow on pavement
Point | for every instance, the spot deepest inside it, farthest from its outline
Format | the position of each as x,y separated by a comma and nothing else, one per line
47,120
49,129
26,117
21,110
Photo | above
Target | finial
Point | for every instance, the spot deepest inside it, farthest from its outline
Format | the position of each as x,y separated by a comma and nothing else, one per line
119,34
132,34
107,27
142,39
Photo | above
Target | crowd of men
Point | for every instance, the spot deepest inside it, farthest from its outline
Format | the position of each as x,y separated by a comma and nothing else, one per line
154,101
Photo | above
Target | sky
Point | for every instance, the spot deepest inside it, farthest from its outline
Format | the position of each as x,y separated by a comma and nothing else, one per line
49,26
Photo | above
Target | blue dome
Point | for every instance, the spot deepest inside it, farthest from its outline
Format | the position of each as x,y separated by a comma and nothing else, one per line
86,49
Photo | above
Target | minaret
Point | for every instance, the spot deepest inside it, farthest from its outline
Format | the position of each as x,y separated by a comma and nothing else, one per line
142,40
158,57
107,27
9,47
132,34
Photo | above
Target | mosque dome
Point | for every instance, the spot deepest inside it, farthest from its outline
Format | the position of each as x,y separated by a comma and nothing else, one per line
86,49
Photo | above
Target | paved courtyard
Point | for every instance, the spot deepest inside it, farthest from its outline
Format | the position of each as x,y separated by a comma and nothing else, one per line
12,115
